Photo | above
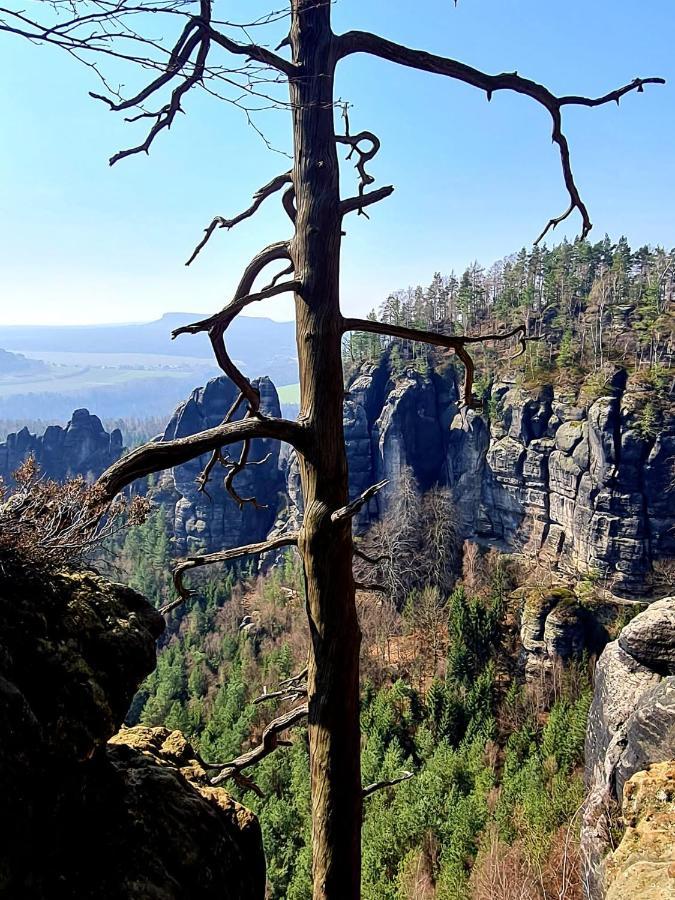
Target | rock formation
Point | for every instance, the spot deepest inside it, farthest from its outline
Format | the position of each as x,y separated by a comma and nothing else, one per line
554,629
643,865
211,519
580,486
83,447
135,818
631,725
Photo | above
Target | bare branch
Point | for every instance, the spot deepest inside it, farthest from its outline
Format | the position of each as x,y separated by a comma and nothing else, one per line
209,559
364,200
349,511
380,785
235,469
258,198
269,742
159,455
364,157
372,587
256,52
366,42
450,342
282,695
295,678
217,324
371,560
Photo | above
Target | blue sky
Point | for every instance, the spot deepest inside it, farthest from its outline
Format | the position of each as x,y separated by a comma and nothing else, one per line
81,242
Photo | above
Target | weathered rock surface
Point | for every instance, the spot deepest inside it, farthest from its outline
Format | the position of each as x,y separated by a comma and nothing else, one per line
211,519
554,629
631,726
134,819
581,487
83,447
643,865
650,638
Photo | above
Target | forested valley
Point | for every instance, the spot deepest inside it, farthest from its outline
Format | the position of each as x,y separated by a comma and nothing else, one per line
485,764
477,659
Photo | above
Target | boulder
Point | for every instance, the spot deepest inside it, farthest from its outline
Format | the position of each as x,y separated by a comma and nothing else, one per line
650,638
554,629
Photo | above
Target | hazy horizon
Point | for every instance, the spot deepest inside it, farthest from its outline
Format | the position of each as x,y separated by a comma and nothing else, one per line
83,243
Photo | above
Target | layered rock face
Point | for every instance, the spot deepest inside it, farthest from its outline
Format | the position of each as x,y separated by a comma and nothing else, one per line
211,519
582,487
631,726
83,447
135,818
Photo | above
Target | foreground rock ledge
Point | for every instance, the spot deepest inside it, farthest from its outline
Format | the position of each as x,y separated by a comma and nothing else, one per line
133,819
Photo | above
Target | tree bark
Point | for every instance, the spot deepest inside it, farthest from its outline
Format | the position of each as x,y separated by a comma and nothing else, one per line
325,545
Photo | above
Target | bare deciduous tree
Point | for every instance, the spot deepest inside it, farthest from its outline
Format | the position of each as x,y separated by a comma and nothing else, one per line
125,31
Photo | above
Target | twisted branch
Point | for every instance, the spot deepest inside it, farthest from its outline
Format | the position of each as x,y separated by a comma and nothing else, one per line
209,559
364,157
258,198
349,511
269,742
449,342
365,42
215,326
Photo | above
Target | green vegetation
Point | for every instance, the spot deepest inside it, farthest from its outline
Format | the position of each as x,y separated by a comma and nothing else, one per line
592,306
492,760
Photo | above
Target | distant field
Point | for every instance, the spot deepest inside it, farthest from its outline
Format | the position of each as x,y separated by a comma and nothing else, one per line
118,360
289,393
67,373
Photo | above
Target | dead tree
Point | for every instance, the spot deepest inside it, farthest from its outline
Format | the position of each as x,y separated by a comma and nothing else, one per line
122,30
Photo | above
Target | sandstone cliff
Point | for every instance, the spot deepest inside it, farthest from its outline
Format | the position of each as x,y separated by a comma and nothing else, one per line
643,865
631,726
578,483
135,818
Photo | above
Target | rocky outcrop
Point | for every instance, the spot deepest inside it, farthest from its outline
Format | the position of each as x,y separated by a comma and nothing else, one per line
554,629
580,484
135,818
576,484
643,865
83,447
210,519
631,725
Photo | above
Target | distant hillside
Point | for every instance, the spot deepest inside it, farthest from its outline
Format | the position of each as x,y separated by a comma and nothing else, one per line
128,370
263,347
14,364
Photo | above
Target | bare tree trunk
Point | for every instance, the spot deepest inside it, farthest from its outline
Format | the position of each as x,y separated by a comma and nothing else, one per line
326,546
